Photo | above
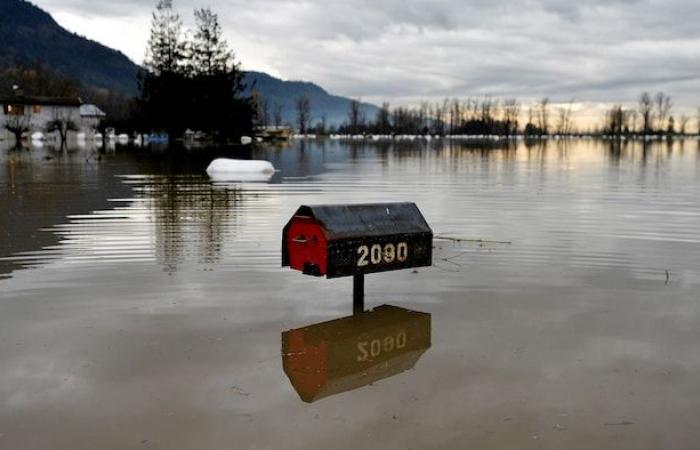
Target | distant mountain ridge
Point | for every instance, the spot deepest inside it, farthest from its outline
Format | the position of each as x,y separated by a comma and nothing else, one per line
285,94
28,34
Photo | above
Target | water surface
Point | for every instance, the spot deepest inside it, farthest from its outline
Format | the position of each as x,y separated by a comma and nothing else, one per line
142,306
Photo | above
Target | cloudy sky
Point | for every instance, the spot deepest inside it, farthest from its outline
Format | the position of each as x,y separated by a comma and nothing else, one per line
593,51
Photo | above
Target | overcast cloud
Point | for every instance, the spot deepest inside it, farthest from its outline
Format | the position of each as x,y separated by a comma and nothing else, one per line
404,51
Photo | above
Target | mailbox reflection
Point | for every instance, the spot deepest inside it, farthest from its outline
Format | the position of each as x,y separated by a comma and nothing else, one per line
345,354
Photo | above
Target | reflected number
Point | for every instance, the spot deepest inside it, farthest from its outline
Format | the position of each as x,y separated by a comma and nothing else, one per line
376,347
377,254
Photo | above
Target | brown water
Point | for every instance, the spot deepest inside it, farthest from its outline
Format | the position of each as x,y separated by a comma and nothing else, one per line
143,306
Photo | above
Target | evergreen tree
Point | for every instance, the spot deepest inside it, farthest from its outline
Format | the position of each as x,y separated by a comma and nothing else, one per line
217,81
209,52
166,46
162,83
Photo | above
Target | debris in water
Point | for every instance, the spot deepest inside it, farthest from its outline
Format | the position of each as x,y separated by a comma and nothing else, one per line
619,424
239,391
461,239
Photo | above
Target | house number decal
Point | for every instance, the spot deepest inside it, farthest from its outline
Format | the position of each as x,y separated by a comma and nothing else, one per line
377,254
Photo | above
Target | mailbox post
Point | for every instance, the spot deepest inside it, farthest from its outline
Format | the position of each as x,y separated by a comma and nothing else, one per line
354,240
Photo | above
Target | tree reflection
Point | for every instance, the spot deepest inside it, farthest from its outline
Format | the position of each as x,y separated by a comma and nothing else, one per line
192,219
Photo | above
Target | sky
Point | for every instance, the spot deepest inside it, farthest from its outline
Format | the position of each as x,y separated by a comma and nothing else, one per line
595,52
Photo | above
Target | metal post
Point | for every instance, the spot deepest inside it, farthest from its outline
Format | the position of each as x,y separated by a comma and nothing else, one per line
358,294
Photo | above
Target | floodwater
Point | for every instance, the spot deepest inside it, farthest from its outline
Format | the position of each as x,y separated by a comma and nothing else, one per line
143,306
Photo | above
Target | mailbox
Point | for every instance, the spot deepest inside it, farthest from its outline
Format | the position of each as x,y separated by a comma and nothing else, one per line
352,240
345,354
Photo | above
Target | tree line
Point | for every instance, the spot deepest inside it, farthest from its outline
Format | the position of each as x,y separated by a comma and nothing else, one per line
490,116
652,116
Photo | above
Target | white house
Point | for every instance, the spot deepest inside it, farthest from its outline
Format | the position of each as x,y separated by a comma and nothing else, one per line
36,113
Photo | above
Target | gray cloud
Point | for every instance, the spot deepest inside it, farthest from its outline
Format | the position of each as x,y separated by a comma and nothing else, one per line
402,51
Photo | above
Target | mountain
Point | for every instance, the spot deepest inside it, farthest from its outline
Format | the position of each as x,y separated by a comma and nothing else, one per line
29,35
285,94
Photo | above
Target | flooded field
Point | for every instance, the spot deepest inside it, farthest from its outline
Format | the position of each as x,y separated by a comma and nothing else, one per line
143,306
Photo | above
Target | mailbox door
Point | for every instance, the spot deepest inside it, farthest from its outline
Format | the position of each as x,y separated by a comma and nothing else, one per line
348,257
307,246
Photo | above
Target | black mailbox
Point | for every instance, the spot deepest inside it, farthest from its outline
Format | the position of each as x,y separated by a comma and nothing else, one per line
352,240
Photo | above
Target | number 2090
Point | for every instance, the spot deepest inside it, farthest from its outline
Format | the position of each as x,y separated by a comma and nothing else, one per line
378,254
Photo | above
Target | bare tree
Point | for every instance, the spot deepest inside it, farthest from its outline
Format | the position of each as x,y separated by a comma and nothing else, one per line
455,116
511,111
564,122
439,119
263,111
18,122
277,115
543,115
646,108
423,113
663,109
633,120
683,124
322,126
303,106
383,123
617,121
62,123
488,106
356,117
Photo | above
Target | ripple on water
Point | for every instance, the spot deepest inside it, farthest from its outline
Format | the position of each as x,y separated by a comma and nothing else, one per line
578,209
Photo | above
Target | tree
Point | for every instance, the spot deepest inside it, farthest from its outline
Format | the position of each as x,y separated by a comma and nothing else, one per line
192,84
166,47
18,123
277,115
383,123
356,117
564,122
663,109
263,111
209,54
62,123
216,82
511,111
683,124
646,108
543,116
303,107
671,129
617,121
162,82
438,119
